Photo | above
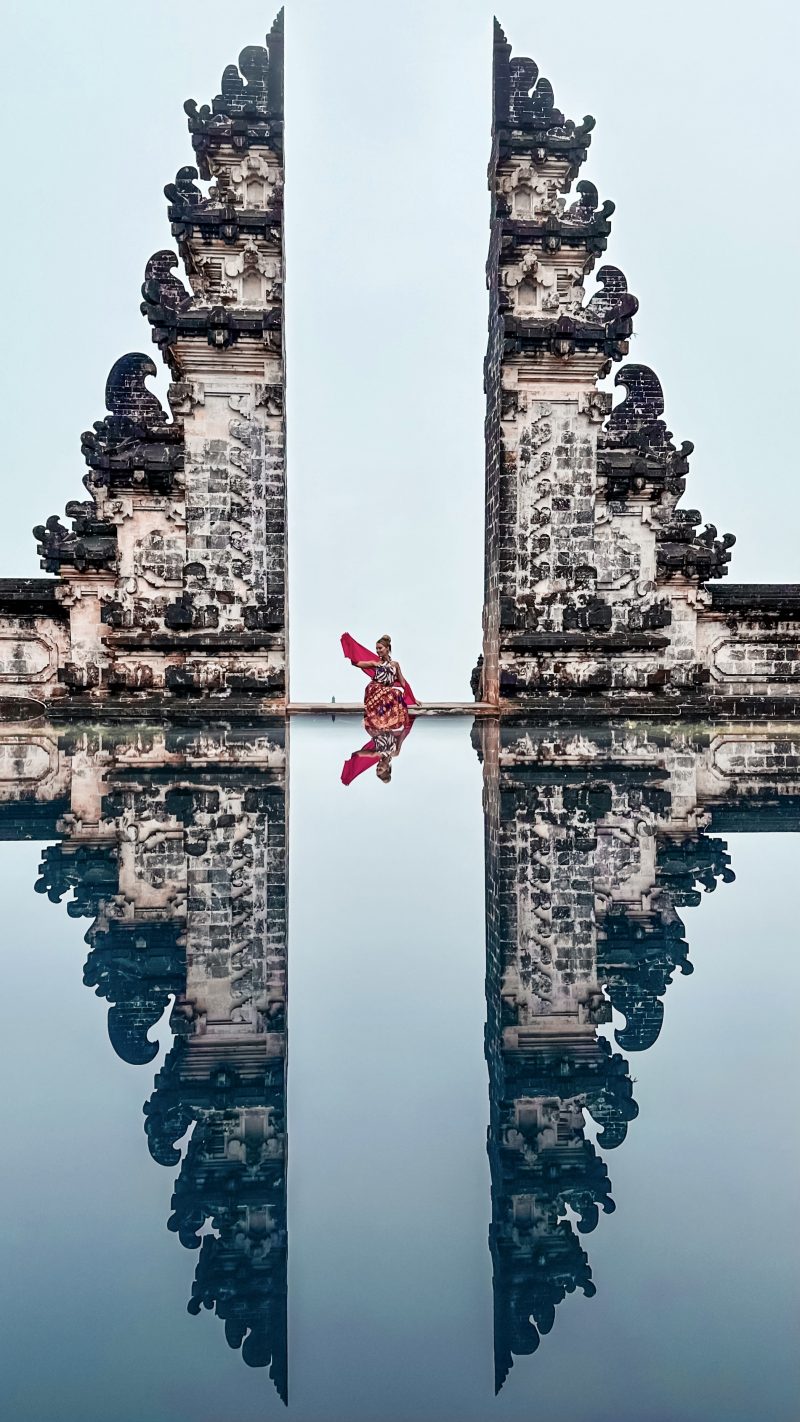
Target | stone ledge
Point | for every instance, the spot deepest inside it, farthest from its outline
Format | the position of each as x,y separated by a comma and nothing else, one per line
582,642
581,706
26,818
28,595
756,597
767,814
210,641
159,709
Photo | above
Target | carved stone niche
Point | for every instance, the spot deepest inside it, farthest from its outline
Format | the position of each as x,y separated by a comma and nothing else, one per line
256,180
253,276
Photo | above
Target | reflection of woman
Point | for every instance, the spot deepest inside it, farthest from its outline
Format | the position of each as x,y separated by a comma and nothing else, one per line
387,744
380,752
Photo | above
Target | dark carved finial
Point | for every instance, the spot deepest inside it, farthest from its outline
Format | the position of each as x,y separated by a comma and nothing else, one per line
524,110
636,447
243,90
524,73
137,984
135,439
637,959
644,399
254,65
127,396
532,98
543,99
249,107
160,288
197,116
184,192
90,543
231,84
589,199
614,285
167,1116
613,303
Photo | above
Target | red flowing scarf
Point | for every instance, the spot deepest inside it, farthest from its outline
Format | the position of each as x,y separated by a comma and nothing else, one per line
359,762
354,652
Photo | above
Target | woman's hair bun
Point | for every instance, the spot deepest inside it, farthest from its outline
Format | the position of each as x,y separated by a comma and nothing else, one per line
386,638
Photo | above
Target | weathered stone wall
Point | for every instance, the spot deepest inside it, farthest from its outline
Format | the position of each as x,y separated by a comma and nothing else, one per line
485,678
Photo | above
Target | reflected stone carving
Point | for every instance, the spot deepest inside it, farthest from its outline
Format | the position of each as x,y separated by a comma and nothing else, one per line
173,843
595,840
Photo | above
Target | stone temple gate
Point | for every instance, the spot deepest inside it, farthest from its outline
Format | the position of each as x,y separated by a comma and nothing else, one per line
600,587
170,578
602,592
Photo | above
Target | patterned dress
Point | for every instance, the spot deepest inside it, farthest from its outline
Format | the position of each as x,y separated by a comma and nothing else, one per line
384,702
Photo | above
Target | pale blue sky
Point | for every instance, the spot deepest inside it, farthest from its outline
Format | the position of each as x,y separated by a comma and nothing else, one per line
387,212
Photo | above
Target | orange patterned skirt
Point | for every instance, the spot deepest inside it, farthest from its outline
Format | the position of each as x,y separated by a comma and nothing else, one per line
384,708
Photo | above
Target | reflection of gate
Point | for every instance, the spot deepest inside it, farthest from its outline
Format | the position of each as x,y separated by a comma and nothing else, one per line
173,844
596,839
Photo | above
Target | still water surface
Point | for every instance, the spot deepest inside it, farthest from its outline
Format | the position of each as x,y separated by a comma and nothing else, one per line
648,1280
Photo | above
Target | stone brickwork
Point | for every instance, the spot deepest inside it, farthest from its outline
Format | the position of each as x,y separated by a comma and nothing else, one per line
171,575
173,844
596,577
596,840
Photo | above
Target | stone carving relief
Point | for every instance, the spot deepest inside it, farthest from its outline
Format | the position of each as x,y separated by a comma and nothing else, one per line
531,192
25,657
158,560
257,180
535,453
764,657
619,558
256,276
